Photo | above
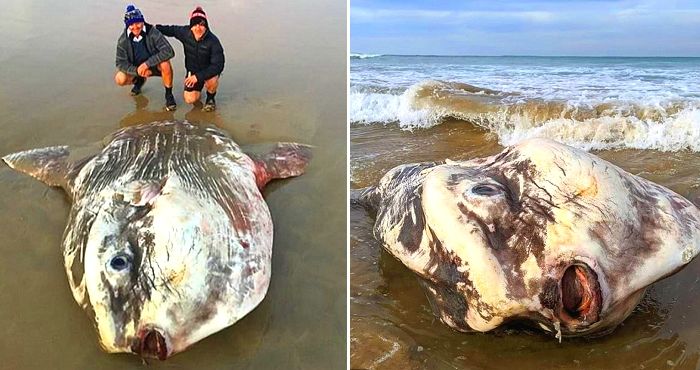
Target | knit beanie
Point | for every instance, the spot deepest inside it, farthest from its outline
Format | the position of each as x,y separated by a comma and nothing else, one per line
132,15
197,16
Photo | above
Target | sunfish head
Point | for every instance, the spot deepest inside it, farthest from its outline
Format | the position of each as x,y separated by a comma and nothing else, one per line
542,233
162,270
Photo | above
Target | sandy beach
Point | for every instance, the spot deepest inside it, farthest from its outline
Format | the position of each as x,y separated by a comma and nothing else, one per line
283,81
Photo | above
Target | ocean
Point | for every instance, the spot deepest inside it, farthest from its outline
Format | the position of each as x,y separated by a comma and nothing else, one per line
588,102
641,114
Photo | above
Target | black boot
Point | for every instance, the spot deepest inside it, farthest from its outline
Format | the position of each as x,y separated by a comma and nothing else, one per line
210,104
170,104
138,82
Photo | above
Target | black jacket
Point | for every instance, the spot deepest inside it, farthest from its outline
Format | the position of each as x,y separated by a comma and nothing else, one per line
204,58
156,44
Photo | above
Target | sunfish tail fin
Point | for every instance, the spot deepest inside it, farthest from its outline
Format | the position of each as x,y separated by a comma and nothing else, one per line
365,197
285,160
48,165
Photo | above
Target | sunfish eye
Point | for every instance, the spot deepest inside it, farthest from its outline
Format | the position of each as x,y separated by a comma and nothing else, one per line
120,262
486,190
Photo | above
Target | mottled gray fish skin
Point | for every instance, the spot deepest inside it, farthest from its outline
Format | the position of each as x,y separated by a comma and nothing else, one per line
541,232
169,238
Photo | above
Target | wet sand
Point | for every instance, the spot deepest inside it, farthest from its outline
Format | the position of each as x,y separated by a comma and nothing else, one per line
393,327
284,80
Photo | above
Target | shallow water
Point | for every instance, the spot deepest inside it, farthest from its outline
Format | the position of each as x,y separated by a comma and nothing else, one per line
392,325
283,81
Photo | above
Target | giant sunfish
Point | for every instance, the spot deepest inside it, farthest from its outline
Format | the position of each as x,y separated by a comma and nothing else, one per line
169,238
542,233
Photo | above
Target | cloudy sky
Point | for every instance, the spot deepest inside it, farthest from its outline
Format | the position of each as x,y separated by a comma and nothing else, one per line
526,27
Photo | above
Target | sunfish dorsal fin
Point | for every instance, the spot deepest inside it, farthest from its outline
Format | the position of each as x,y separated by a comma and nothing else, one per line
285,160
48,165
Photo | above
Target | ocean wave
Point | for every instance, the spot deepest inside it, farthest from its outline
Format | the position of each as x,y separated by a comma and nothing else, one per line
371,107
665,126
675,133
419,106
364,56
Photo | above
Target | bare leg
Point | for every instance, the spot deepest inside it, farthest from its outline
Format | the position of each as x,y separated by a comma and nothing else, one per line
123,79
166,71
191,96
212,84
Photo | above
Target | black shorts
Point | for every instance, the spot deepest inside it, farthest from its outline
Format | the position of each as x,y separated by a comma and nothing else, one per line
198,86
155,71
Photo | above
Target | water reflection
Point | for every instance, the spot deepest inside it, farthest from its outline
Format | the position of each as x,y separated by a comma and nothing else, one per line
141,114
197,116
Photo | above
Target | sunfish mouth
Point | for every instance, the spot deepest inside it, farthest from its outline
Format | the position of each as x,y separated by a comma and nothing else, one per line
581,299
151,343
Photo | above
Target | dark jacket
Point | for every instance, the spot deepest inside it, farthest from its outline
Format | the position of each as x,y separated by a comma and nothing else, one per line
157,45
204,58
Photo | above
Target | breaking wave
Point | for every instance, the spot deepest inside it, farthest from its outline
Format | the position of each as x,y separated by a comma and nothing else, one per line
608,124
363,56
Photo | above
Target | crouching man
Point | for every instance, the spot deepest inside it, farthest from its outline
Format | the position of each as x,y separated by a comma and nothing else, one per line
142,52
204,57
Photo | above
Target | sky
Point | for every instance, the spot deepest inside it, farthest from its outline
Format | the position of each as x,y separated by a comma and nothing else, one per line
526,27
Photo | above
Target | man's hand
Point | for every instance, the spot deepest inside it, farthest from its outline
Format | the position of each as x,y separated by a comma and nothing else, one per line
143,70
191,80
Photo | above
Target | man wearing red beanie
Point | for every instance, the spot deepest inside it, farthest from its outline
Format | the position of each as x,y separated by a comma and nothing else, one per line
204,57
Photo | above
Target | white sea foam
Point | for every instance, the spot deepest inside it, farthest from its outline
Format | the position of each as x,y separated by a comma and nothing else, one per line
363,56
371,107
677,132
664,131
646,103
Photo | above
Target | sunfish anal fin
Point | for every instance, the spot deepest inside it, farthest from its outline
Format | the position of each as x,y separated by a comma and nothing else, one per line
286,160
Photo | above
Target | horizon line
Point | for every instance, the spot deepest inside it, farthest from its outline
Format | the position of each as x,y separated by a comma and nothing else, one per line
528,55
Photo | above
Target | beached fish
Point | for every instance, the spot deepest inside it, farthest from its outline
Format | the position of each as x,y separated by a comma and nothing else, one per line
169,239
541,232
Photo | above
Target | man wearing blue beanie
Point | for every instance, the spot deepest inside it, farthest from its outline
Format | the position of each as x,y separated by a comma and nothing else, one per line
142,51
